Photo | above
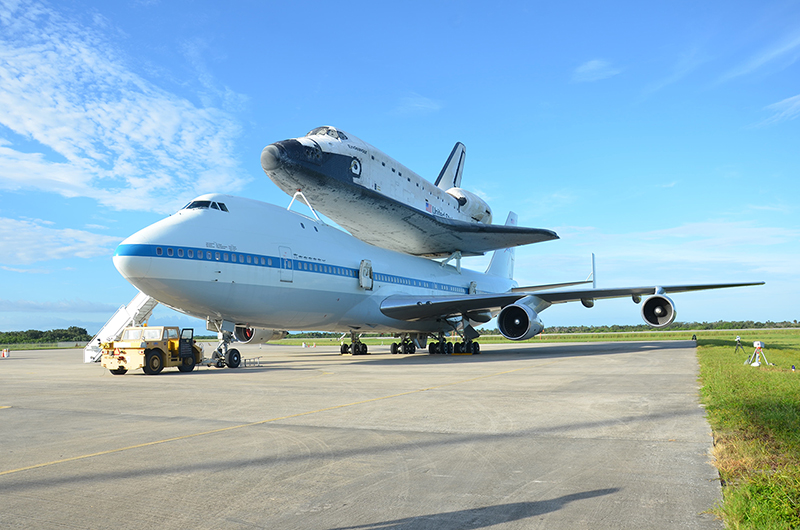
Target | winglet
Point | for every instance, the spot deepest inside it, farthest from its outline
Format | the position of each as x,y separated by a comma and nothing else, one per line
502,263
450,176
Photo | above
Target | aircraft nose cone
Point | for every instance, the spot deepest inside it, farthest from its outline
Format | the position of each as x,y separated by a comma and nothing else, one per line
271,158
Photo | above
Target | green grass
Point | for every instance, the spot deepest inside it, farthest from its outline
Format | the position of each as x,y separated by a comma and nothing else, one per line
755,416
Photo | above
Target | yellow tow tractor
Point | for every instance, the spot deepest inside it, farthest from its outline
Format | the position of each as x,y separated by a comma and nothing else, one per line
152,348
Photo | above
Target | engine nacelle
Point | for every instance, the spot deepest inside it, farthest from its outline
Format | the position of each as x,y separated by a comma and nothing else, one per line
472,205
519,322
658,311
248,335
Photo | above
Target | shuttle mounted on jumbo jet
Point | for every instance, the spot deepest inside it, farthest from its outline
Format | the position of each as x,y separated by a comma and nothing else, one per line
384,203
252,269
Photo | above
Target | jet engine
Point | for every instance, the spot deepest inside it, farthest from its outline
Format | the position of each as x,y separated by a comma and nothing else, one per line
249,335
472,205
519,322
658,311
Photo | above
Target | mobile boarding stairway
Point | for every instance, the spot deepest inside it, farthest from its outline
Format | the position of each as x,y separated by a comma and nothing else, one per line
135,313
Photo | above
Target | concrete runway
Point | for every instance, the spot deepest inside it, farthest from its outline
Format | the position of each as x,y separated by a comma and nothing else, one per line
600,435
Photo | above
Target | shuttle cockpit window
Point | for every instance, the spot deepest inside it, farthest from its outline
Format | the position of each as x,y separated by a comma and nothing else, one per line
329,131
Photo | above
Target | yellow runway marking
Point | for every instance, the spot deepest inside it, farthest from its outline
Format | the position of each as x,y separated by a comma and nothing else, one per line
5,406
262,422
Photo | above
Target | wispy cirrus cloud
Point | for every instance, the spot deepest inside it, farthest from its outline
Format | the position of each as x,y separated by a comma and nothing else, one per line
785,110
594,70
33,240
83,124
781,54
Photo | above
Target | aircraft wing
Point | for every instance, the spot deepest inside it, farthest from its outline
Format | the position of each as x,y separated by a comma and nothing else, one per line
414,308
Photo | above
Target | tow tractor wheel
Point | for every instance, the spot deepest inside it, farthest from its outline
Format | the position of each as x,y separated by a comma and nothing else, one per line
153,362
118,371
187,364
233,359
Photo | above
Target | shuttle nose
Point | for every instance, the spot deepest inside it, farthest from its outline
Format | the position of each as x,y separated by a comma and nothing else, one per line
271,158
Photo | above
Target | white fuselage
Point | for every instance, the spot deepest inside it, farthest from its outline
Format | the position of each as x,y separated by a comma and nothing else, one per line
263,266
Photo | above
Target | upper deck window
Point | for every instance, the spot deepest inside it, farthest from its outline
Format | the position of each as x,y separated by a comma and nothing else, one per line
329,131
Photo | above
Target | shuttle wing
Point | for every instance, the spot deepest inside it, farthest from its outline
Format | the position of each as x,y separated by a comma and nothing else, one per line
397,226
437,307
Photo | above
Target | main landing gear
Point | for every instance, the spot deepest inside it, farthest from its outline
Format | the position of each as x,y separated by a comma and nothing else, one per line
406,346
442,347
356,348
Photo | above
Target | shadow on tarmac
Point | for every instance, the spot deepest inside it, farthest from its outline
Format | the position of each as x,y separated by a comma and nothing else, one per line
531,352
487,516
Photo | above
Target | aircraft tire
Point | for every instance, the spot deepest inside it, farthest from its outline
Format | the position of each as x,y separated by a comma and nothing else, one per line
432,348
476,348
344,349
394,348
153,362
458,347
364,349
119,371
449,348
233,358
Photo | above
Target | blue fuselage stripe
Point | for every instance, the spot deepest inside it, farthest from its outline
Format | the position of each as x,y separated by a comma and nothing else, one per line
273,262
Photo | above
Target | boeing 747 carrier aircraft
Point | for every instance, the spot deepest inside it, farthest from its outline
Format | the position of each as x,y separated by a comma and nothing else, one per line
384,203
251,270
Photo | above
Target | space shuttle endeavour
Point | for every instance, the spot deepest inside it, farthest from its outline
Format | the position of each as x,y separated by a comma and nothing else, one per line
382,202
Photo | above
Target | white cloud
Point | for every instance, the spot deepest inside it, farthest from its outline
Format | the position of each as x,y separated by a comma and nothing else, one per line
787,109
726,248
417,104
28,241
98,129
594,70
62,306
786,52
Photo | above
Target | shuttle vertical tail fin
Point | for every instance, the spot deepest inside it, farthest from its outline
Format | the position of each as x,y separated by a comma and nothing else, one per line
502,263
450,176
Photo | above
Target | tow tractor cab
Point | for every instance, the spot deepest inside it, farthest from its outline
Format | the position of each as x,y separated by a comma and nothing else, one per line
152,348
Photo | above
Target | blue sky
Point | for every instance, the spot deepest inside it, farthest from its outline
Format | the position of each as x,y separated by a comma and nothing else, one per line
664,138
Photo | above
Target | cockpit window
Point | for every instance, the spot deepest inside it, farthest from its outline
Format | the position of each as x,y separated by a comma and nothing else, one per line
206,205
329,131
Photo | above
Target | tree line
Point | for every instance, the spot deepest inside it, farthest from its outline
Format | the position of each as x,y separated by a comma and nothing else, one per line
76,334
34,336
